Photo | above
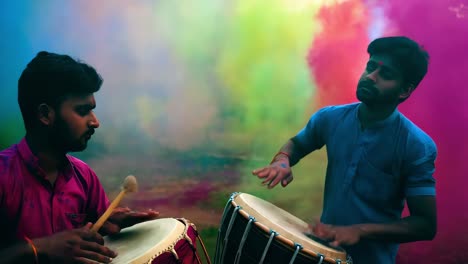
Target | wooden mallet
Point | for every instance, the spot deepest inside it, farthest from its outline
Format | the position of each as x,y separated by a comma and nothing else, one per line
130,185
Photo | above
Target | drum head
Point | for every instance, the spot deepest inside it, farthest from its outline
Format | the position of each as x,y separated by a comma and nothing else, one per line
284,223
143,242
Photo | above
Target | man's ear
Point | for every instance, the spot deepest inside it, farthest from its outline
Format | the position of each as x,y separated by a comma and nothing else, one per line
407,90
46,114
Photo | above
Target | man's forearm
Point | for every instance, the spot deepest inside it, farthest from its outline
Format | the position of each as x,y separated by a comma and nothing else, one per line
293,151
411,228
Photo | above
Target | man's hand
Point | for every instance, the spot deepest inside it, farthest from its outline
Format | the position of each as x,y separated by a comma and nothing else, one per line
75,246
420,225
337,235
124,217
277,171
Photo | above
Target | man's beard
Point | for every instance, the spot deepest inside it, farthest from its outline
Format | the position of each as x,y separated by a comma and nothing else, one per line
62,139
371,96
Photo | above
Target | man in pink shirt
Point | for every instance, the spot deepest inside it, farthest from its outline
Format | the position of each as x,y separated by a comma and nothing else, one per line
48,199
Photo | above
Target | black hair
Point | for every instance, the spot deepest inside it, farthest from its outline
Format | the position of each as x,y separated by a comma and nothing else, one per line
410,57
50,78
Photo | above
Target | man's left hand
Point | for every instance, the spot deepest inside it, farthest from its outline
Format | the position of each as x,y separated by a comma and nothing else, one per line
124,217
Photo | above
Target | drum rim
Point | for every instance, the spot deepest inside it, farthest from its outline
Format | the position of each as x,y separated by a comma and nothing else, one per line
284,239
180,232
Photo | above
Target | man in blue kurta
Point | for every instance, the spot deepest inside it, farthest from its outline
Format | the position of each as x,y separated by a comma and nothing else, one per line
377,159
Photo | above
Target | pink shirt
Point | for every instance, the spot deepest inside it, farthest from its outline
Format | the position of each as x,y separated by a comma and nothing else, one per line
31,206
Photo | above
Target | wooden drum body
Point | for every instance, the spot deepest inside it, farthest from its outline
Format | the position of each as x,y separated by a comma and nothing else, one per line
255,231
165,240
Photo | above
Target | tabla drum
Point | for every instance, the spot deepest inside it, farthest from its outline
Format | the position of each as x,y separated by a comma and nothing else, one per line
253,230
165,241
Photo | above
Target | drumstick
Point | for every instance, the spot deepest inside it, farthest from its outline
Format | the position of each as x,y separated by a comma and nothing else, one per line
130,185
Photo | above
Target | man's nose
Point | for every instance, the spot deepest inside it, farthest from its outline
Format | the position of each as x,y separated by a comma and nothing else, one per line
373,75
94,122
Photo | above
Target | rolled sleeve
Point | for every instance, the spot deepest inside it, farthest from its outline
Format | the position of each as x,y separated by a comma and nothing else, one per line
419,173
311,137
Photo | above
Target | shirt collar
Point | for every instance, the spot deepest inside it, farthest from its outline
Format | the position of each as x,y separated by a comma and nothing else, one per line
382,123
32,161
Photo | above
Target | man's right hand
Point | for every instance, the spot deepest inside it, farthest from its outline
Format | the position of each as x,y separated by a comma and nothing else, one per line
278,171
75,246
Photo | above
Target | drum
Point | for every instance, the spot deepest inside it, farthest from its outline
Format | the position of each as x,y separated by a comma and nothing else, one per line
255,231
165,241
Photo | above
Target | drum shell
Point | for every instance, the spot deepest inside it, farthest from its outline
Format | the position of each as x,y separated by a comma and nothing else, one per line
186,252
240,212
162,241
254,245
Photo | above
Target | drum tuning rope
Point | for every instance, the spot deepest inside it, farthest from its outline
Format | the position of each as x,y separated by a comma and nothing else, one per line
321,257
223,218
298,248
228,231
244,237
204,249
273,234
187,223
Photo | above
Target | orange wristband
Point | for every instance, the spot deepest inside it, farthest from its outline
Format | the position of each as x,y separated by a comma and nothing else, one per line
33,248
280,152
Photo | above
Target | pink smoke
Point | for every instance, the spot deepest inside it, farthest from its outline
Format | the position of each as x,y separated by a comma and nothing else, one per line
438,106
337,57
